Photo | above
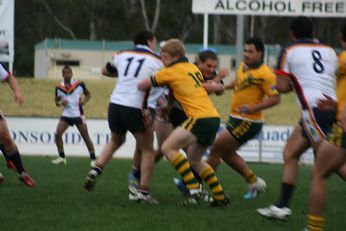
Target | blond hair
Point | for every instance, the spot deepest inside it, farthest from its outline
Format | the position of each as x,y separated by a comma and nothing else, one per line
174,47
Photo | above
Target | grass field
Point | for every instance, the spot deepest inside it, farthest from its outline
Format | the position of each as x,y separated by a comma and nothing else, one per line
60,203
39,101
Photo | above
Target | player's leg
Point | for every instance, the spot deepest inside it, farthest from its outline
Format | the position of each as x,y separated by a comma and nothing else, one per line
329,158
118,135
341,171
13,153
162,130
83,130
295,146
206,172
144,142
177,139
116,140
237,133
10,164
61,128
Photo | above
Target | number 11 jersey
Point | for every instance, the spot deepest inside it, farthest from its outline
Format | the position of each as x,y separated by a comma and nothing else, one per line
132,66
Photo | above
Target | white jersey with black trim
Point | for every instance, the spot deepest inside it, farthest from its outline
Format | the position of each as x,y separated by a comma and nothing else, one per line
311,68
3,73
132,66
72,95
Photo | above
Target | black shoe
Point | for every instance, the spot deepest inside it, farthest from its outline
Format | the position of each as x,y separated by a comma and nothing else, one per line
217,203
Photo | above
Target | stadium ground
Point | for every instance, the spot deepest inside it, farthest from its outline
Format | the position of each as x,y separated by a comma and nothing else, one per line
59,201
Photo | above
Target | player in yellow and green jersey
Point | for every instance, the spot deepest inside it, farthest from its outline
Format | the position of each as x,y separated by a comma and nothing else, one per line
185,81
254,91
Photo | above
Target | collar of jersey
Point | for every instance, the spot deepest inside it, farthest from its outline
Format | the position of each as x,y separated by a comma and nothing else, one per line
255,65
143,48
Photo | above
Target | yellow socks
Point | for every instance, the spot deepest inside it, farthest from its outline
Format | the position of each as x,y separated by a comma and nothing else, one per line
316,223
181,164
208,175
250,177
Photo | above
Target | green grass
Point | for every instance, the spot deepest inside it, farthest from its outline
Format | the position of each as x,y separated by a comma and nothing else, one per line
39,101
60,203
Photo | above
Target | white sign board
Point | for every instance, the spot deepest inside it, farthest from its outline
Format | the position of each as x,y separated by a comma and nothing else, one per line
312,8
35,136
6,30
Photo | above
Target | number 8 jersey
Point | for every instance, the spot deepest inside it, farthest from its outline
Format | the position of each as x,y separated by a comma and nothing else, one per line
132,66
311,67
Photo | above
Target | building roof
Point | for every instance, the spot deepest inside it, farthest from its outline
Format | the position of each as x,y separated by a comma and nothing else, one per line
122,45
117,45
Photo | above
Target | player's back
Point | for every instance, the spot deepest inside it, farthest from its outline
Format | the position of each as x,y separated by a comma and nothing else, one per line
132,67
312,69
186,81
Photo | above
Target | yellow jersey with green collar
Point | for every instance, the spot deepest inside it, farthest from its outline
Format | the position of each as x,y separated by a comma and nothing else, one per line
341,81
186,82
252,85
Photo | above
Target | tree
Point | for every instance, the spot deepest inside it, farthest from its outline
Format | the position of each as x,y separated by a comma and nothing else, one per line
156,15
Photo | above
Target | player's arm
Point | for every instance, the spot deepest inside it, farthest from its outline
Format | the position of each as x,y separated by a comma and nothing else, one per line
230,85
223,73
327,103
57,100
18,97
87,97
283,84
109,70
213,87
145,84
268,102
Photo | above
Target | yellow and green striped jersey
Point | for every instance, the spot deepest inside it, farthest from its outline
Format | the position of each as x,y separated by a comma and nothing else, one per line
252,85
186,82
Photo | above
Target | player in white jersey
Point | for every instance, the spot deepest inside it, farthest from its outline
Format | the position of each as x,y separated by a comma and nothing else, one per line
309,69
125,109
9,148
72,94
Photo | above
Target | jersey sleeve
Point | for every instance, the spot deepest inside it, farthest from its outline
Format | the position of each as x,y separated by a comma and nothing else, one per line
282,67
4,74
160,78
56,91
83,86
269,83
112,67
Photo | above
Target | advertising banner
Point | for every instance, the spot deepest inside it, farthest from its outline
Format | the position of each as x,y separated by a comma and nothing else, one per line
312,8
7,30
35,136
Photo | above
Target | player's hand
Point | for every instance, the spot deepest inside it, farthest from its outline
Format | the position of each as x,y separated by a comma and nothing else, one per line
82,101
162,114
327,103
65,102
148,117
224,72
211,86
245,109
18,98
